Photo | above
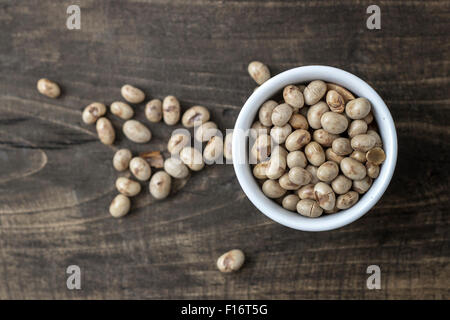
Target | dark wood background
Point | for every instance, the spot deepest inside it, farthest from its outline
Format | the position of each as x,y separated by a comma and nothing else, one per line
56,179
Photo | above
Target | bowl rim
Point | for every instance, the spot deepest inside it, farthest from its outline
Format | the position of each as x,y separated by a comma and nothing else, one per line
302,75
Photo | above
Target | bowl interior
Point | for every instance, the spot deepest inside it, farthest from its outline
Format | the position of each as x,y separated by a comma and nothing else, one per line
304,75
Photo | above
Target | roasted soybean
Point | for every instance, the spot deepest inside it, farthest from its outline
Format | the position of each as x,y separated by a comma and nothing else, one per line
132,94
153,110
171,110
195,116
122,110
136,131
231,261
160,185
48,88
122,159
289,154
120,206
140,168
92,112
259,72
105,131
127,187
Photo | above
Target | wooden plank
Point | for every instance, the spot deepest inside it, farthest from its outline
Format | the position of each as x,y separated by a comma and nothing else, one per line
56,179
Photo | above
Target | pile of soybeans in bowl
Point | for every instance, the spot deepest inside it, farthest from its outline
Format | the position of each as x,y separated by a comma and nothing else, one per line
315,149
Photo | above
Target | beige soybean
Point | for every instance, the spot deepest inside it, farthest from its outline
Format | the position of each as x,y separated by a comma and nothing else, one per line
136,131
192,158
332,156
258,129
296,159
231,261
160,185
177,142
206,131
306,192
313,170
353,169
153,110
357,127
315,113
373,170
363,142
298,121
277,163
259,72
357,108
324,137
105,131
48,88
347,200
213,149
314,153
261,148
272,189
293,96
314,91
228,146
195,115
259,170
122,110
309,208
359,156
281,114
334,210
325,196
361,186
287,184
342,146
121,159
128,187
265,112
280,150
140,169
290,202
280,134
335,101
299,176
345,94
132,94
333,122
376,136
297,139
120,206
176,168
327,171
92,112
376,156
341,184
369,118
171,110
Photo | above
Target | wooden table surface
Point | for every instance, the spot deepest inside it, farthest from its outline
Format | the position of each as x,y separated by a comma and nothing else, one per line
56,179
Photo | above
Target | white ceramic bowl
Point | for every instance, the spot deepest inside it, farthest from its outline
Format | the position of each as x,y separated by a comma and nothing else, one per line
247,117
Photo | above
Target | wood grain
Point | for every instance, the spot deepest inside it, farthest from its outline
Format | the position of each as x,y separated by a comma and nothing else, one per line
56,179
